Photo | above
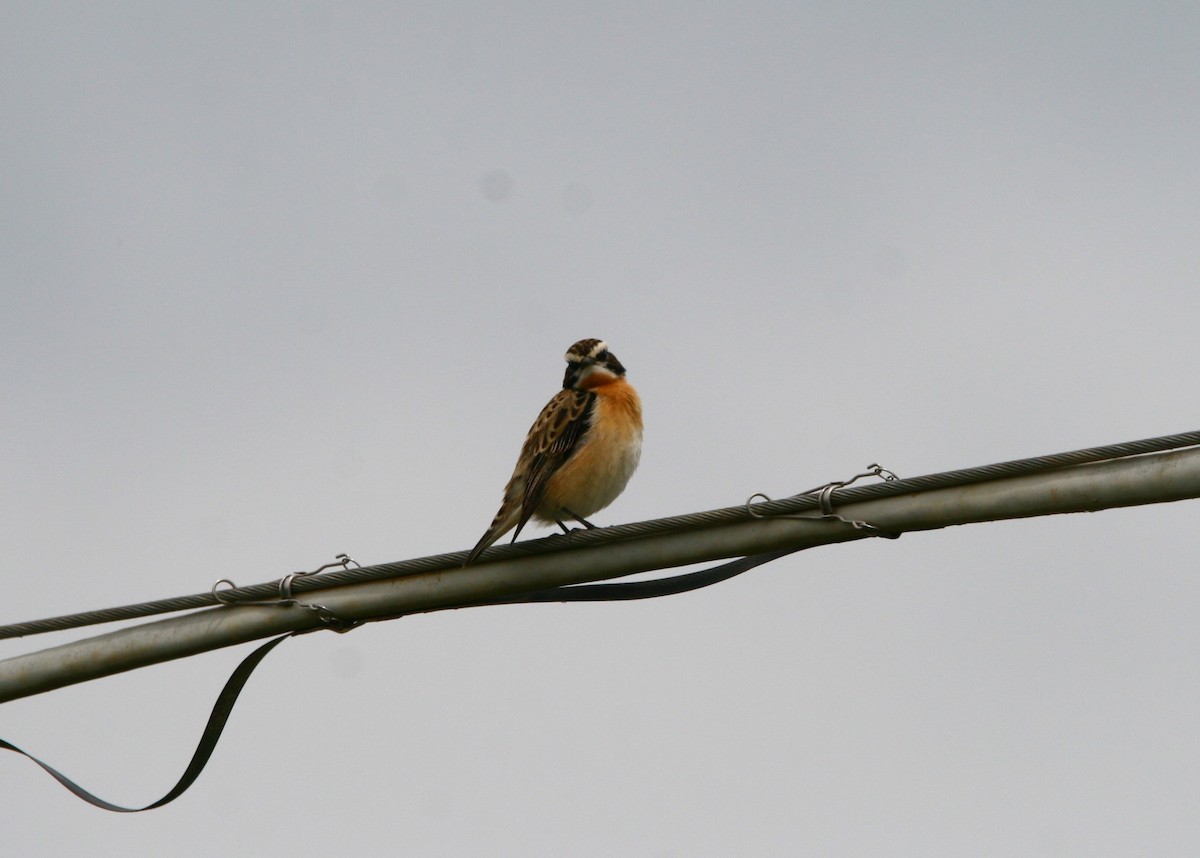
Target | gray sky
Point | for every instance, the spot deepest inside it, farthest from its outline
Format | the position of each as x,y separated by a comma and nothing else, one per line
283,282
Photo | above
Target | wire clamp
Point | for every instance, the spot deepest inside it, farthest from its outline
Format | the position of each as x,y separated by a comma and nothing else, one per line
824,495
286,599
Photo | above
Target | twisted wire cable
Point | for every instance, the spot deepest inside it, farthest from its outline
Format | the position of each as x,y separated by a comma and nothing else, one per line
579,539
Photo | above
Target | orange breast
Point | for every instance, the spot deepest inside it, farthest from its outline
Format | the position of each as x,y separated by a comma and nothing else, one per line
622,400
607,456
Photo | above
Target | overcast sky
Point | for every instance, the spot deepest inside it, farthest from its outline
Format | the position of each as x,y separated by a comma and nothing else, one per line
281,281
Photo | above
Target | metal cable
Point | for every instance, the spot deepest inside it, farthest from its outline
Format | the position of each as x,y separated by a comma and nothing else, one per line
599,536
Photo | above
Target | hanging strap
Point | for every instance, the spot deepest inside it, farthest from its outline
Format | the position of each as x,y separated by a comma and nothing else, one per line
229,694
208,740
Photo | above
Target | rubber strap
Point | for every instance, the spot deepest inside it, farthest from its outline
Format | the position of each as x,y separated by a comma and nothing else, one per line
208,740
652,589
229,694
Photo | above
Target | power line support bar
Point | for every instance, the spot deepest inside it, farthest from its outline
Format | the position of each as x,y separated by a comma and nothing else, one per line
1136,480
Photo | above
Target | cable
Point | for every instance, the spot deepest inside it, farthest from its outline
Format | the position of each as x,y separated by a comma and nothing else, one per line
599,536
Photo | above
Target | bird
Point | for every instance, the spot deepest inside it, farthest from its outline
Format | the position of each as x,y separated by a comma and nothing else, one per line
579,453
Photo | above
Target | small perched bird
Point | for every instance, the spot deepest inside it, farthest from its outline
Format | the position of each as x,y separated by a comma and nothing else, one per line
579,453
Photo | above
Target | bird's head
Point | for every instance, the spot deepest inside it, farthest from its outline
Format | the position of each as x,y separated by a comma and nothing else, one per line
591,364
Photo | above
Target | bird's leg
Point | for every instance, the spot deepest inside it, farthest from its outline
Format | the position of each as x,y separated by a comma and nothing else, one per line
579,518
569,530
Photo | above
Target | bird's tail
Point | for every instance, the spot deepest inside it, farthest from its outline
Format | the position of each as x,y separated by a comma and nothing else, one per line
506,519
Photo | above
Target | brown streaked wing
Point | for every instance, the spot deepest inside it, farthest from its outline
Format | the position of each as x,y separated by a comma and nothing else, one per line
552,440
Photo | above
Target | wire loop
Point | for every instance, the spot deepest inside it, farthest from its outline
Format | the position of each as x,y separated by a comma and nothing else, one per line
328,618
824,495
219,594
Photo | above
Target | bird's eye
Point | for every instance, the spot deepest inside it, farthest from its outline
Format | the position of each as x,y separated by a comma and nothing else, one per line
603,355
